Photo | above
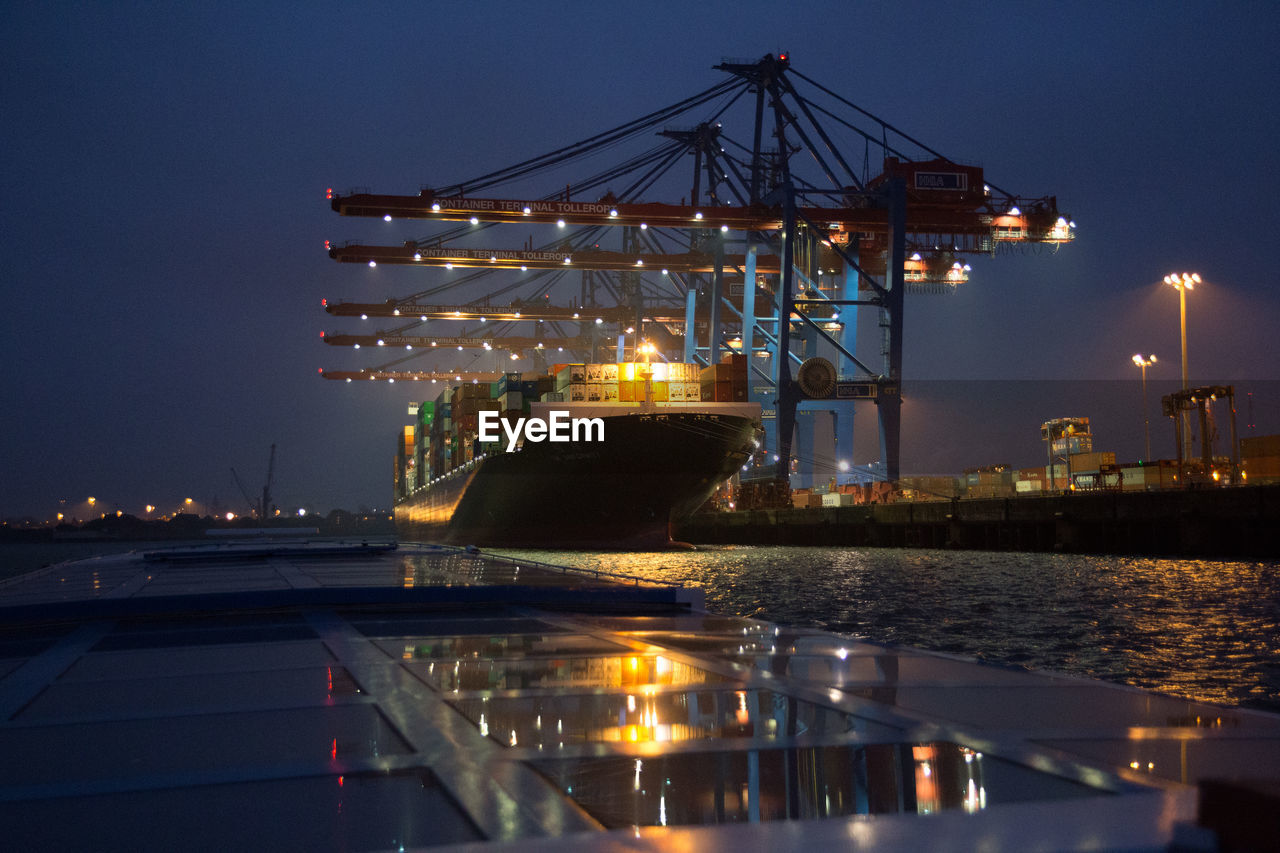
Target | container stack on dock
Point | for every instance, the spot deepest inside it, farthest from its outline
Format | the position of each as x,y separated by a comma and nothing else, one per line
1261,457
445,436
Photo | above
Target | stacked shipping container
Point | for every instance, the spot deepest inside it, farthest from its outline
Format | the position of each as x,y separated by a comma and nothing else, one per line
1260,456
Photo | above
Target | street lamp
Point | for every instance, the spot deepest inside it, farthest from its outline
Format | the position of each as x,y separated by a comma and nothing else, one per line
1182,282
1144,363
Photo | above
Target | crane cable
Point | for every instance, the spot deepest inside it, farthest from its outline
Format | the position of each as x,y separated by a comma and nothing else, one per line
593,142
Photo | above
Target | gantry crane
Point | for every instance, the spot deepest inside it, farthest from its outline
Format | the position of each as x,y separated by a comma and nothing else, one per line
771,253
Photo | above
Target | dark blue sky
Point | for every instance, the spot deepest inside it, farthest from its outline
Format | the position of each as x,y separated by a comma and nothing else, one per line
164,177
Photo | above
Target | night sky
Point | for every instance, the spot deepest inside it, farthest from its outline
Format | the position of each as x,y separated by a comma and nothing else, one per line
164,211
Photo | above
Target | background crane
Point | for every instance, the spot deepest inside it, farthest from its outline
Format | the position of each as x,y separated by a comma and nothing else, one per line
262,509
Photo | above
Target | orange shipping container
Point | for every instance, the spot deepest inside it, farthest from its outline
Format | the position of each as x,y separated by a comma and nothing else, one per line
1260,445
1262,467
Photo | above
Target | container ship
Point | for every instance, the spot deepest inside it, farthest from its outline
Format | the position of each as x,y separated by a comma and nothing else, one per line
587,455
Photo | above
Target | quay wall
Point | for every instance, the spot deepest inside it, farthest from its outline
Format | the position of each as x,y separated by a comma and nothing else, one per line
1219,522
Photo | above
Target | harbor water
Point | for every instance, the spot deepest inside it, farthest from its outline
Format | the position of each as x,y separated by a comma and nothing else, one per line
1202,629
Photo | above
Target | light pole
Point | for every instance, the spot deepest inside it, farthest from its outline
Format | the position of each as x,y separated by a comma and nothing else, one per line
1144,363
1182,282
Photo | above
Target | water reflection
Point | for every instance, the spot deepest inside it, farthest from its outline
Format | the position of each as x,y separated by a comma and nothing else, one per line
621,671
789,784
648,716
500,646
1202,629
435,569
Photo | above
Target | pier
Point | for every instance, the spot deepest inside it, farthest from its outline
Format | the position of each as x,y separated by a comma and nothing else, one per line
1221,522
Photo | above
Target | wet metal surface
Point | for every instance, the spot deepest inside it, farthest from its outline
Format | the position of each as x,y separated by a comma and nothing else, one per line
602,725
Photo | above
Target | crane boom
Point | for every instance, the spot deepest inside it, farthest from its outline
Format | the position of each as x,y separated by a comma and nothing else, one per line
266,489
407,376
531,311
959,219
414,341
243,491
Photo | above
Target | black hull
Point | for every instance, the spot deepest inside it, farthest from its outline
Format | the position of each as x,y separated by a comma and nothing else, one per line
651,471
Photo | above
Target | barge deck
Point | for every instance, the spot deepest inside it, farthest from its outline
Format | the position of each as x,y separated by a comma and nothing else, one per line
355,696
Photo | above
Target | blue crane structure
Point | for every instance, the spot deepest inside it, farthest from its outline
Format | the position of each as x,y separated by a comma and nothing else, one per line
769,254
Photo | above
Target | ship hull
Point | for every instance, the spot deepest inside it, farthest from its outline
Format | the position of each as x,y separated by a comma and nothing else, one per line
650,471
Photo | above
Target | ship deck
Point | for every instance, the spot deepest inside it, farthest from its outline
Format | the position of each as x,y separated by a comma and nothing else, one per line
352,696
